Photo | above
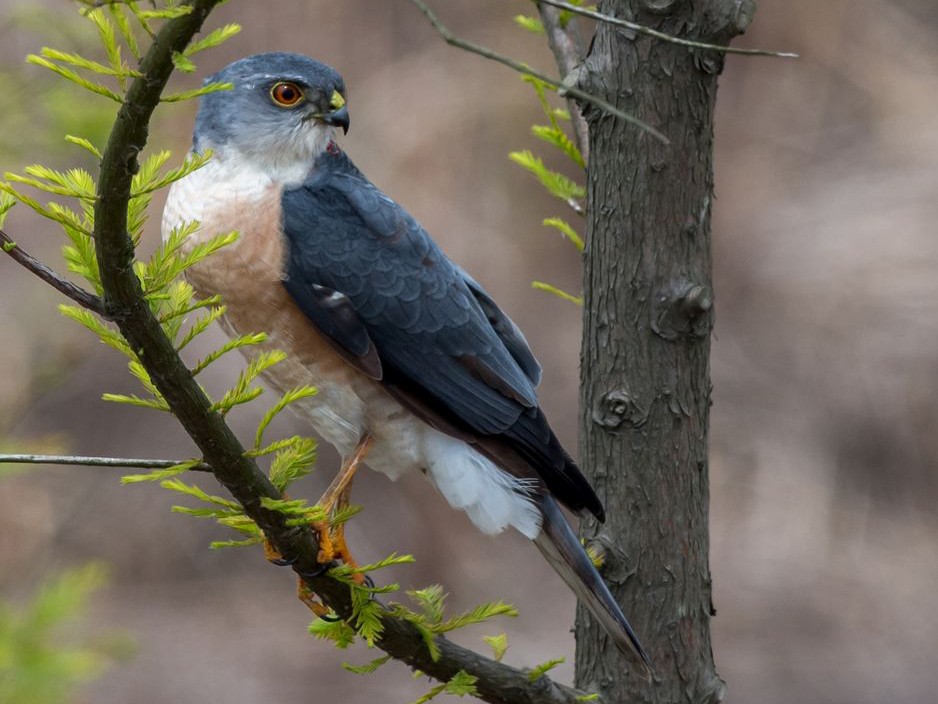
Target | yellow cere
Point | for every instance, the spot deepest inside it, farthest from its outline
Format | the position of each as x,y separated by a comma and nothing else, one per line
336,101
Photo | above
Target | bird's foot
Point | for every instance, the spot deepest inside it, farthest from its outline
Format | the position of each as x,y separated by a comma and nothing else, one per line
331,533
308,597
272,555
332,547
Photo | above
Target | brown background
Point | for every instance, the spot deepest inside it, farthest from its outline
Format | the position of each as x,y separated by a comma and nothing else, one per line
824,362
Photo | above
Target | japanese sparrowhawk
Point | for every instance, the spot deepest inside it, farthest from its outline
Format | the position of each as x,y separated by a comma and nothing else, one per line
416,366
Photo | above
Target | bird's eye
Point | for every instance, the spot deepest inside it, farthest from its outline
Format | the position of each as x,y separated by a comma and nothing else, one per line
286,95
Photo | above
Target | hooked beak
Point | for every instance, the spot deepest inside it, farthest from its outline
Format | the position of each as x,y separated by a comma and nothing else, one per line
338,118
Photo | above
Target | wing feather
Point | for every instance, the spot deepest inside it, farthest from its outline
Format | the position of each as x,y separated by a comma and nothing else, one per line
371,279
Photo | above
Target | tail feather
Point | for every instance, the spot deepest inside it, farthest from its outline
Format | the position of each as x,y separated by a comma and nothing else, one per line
560,545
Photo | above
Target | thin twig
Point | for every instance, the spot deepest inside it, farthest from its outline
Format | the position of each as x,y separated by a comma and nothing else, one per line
563,42
642,29
26,260
80,461
453,40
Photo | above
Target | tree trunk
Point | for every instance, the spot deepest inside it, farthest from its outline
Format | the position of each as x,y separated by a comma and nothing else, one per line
645,392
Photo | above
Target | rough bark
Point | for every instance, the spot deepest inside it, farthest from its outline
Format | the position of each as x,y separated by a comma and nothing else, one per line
648,314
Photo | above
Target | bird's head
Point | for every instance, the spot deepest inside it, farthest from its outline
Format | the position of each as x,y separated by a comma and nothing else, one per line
281,112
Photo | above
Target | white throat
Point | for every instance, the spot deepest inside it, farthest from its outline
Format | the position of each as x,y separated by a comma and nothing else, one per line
228,188
285,160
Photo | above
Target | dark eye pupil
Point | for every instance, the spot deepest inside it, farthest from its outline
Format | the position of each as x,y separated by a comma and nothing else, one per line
286,94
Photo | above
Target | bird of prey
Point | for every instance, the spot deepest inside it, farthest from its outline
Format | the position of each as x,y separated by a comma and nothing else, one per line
416,366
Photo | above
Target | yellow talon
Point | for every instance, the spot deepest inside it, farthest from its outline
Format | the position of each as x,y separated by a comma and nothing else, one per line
306,595
332,545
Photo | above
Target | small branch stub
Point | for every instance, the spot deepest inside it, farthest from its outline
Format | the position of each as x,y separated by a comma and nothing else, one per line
684,310
745,12
659,7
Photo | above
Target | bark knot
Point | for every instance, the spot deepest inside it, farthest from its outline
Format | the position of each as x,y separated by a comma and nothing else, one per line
742,17
682,310
659,7
617,407
715,692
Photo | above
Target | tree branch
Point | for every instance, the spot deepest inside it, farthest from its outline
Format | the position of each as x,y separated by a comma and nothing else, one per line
82,461
563,42
642,29
27,261
221,449
453,40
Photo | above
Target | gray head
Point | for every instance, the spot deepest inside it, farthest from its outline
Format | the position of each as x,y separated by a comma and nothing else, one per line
281,113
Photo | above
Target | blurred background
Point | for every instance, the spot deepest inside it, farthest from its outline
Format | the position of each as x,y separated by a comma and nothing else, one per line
825,360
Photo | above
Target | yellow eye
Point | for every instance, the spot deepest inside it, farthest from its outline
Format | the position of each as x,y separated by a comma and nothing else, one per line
286,95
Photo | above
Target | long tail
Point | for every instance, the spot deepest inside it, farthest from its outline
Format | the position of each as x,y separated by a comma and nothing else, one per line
560,545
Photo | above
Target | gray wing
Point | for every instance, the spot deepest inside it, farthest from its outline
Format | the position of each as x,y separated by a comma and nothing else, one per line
510,334
441,340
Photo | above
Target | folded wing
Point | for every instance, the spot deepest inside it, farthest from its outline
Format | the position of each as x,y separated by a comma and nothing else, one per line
375,284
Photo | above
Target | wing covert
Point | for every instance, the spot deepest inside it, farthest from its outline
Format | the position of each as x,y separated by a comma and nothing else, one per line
346,237
362,269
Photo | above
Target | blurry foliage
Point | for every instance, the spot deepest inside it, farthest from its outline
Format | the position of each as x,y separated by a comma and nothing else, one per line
557,184
461,684
38,665
46,108
534,25
183,319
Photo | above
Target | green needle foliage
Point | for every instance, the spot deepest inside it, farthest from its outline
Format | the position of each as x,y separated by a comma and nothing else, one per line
122,26
498,644
36,665
556,183
539,671
462,684
429,618
535,26
67,197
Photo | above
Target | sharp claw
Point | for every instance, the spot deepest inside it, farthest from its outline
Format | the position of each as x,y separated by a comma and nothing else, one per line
320,570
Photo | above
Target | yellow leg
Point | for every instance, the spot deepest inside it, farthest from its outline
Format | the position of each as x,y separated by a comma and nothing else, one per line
306,595
271,554
343,480
332,543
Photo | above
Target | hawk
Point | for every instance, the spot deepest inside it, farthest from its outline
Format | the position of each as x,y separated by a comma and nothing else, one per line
416,366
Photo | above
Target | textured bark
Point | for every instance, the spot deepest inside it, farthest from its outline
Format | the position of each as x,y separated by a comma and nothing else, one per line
646,341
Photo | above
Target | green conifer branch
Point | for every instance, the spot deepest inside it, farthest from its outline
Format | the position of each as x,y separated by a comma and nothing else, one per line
540,670
118,211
